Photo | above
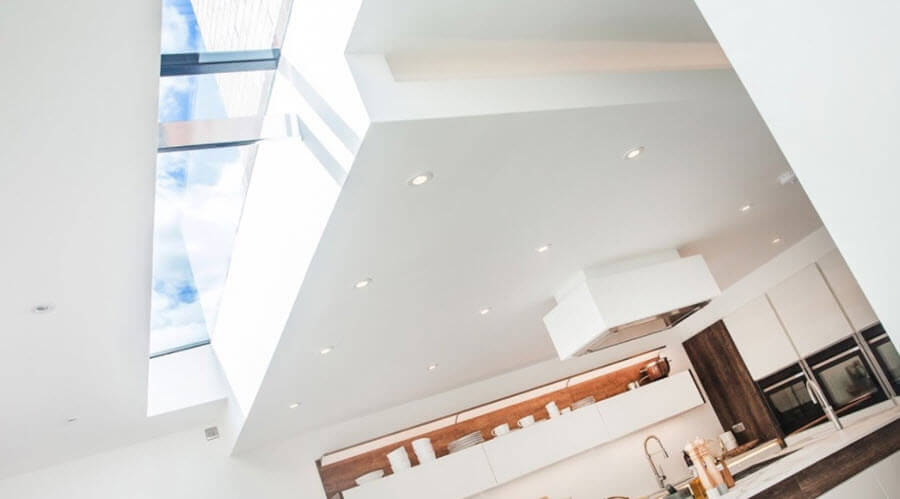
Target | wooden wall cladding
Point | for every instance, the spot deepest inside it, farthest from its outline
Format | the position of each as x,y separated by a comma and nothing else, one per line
731,391
341,475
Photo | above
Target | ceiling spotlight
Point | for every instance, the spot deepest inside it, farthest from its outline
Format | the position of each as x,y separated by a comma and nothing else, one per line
420,179
363,283
326,350
432,367
633,153
746,207
294,405
776,240
73,419
42,308
544,248
485,311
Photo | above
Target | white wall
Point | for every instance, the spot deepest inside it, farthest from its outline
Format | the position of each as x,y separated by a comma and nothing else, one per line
178,466
824,76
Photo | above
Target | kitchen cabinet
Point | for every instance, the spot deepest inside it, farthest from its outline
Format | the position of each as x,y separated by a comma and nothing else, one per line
809,311
760,339
546,442
523,451
847,290
640,408
456,475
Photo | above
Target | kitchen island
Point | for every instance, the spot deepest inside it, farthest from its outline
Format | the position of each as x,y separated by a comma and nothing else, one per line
816,465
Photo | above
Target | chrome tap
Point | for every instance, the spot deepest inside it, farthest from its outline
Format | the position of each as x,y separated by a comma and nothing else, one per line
657,470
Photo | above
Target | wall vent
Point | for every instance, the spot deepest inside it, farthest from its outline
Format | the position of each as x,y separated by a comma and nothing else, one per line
212,433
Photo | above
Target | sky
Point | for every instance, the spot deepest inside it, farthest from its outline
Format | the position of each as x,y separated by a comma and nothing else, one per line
199,195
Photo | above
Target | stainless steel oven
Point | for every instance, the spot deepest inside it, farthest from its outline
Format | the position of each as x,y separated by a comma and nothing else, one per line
885,354
846,378
791,399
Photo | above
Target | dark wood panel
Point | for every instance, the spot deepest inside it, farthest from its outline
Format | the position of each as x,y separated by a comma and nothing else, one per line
728,384
341,475
838,467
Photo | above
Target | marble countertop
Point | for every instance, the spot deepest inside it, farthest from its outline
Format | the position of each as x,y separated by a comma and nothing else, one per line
804,454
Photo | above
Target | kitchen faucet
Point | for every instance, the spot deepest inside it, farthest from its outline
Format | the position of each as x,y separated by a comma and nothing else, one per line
657,471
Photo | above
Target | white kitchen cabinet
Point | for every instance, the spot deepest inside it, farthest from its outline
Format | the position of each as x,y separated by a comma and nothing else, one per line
760,339
847,290
637,409
886,472
809,311
460,474
542,444
545,442
861,486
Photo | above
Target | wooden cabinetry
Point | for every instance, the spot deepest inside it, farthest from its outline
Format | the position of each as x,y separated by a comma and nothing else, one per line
809,311
731,391
847,290
760,339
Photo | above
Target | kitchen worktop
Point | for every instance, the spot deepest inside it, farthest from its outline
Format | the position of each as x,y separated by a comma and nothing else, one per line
806,453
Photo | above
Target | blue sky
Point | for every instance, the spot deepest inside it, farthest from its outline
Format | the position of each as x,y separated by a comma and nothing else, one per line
198,199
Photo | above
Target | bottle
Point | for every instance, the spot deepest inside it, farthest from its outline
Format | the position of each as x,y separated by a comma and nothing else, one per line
705,481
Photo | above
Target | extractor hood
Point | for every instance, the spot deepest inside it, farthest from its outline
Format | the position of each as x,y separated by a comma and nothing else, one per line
608,304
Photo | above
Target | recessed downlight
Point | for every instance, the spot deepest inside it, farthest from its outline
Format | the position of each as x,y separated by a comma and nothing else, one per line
420,179
485,311
633,153
776,240
363,283
326,350
42,308
746,207
543,249
432,367
294,405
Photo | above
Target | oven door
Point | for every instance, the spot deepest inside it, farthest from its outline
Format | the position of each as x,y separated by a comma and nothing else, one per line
791,400
846,377
885,353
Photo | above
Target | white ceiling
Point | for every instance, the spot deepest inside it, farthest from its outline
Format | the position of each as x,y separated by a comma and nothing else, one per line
77,179
77,165
503,186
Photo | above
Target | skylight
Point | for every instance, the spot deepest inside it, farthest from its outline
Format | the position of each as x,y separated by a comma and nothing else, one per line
200,189
229,105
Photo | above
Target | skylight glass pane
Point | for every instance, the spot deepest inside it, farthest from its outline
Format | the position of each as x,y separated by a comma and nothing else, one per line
217,25
213,96
199,197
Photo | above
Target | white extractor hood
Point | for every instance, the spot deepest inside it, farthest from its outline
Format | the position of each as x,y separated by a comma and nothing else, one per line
608,304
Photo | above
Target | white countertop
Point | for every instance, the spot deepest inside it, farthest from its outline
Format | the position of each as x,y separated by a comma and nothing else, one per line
811,451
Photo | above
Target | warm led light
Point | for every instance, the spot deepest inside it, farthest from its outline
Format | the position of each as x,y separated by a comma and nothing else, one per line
294,405
363,283
776,240
485,311
326,350
633,153
544,248
420,179
746,207
432,367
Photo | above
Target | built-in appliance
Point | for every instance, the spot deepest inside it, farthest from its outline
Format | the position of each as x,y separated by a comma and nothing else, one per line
611,303
846,377
791,399
885,353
